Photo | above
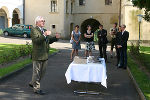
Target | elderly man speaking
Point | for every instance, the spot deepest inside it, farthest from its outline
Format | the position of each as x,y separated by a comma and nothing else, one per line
40,39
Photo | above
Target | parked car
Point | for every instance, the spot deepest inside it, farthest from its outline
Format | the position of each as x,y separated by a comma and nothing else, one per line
18,29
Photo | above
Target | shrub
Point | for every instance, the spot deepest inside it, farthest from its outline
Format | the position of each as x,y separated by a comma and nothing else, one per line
134,49
16,52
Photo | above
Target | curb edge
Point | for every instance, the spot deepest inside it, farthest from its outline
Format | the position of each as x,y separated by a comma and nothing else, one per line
14,72
136,85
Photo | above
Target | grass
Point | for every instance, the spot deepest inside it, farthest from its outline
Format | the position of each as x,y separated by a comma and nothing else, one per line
141,78
5,48
6,70
9,52
52,50
144,57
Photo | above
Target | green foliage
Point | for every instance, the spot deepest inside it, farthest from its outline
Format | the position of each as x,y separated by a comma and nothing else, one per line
52,50
15,52
6,70
143,4
141,78
134,49
10,52
144,57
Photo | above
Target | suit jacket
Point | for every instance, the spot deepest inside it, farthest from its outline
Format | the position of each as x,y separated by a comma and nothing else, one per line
40,44
102,40
122,39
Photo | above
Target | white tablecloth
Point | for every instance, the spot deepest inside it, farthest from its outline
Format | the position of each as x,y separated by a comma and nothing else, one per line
91,72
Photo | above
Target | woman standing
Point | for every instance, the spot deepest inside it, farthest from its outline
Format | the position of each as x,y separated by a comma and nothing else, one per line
76,35
89,36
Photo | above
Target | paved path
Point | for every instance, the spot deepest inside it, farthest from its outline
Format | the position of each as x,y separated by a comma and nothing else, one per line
14,40
16,86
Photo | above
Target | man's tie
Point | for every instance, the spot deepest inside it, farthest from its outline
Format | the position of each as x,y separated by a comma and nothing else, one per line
46,38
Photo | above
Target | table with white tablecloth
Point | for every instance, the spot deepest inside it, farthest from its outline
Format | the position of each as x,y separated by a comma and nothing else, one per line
89,72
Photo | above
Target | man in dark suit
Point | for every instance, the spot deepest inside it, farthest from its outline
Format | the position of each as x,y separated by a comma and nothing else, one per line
122,45
102,41
40,40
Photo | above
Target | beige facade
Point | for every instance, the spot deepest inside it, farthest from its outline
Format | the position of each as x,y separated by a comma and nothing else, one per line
130,19
92,10
69,13
34,8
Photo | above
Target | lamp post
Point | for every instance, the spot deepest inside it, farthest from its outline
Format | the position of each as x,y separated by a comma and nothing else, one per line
139,20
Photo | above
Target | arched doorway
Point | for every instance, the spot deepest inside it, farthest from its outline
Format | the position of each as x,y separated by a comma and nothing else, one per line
71,28
15,19
3,19
92,22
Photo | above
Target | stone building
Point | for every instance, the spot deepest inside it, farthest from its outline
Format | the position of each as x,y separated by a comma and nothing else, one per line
130,19
11,12
63,15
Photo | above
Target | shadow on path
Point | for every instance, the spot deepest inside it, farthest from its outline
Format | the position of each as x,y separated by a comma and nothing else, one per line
16,86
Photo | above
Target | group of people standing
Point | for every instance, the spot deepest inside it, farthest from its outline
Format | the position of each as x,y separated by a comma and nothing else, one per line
41,38
119,40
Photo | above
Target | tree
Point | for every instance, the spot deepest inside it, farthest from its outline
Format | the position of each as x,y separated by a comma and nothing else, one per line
143,4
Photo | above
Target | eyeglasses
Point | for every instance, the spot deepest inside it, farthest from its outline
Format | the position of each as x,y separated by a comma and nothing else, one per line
42,21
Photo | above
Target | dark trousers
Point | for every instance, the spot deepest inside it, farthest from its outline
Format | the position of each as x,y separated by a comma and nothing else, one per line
113,43
118,55
123,57
102,51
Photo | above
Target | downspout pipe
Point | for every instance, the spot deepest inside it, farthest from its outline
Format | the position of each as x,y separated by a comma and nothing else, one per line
23,11
120,12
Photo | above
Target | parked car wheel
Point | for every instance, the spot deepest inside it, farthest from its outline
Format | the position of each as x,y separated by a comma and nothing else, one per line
25,35
6,33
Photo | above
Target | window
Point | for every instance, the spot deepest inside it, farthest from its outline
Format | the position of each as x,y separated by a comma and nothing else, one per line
15,26
81,2
67,6
53,26
108,2
53,6
71,7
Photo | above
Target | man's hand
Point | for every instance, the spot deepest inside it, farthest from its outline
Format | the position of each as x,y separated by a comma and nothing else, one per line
46,33
57,36
119,46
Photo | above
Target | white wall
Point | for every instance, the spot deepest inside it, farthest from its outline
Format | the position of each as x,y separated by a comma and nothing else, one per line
9,5
34,8
130,19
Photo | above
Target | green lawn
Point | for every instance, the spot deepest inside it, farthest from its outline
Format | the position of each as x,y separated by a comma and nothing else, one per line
7,49
141,78
144,57
9,52
6,70
52,50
